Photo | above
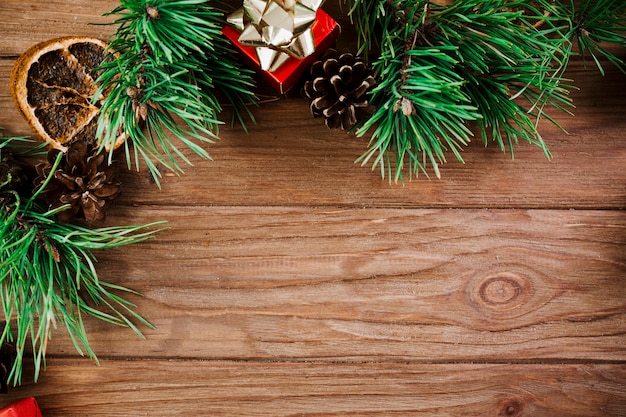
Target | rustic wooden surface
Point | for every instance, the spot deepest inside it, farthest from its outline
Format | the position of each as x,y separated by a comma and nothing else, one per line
293,282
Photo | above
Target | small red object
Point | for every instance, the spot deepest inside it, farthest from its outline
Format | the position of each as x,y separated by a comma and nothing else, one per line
23,408
325,32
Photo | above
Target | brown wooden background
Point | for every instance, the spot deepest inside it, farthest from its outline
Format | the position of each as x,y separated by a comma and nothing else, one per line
293,282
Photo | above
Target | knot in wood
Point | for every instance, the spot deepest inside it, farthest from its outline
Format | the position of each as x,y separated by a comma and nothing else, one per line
501,295
510,407
500,289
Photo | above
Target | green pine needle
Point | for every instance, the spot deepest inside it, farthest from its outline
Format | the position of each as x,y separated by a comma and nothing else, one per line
443,70
48,276
507,65
421,113
168,65
596,23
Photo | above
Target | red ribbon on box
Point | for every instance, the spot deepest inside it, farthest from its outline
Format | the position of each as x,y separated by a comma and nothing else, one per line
27,407
325,32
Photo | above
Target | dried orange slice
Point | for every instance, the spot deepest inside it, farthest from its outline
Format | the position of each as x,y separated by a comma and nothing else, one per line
53,84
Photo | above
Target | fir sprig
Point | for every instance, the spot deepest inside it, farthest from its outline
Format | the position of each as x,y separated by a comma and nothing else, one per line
508,53
442,67
419,114
48,275
596,23
500,63
161,82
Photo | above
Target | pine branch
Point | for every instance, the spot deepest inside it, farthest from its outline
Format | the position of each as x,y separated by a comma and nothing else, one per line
47,271
450,67
366,16
507,52
168,62
596,23
421,111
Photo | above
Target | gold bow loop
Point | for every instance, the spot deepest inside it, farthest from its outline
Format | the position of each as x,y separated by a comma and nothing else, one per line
277,29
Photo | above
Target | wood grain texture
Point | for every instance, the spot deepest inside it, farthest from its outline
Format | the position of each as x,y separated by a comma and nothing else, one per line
25,23
194,388
375,285
292,282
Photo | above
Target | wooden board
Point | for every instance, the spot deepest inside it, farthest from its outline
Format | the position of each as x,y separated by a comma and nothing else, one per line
331,389
292,281
375,285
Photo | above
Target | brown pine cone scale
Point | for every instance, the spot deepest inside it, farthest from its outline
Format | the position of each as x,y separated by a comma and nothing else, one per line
337,89
83,179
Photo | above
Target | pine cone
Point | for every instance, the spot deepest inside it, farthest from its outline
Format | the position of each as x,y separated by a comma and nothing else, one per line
337,89
83,179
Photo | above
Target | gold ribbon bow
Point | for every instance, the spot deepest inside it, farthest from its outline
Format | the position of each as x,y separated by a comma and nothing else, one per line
277,29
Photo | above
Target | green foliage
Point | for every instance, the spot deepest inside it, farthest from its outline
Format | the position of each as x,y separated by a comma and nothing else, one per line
507,64
168,64
494,66
48,275
420,113
596,23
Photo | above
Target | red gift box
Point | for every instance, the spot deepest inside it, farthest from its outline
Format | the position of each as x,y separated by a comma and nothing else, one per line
325,32
24,408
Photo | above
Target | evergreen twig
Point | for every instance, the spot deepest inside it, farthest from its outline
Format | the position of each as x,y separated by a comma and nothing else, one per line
446,66
452,65
596,23
48,275
168,61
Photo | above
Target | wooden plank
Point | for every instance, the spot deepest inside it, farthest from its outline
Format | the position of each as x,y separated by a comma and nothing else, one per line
24,23
191,388
373,285
291,159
